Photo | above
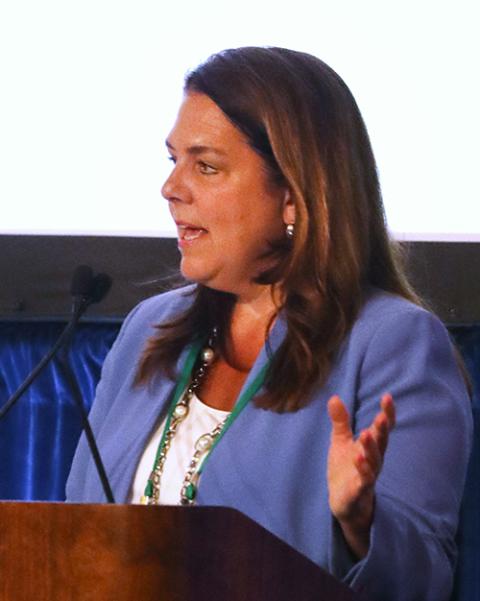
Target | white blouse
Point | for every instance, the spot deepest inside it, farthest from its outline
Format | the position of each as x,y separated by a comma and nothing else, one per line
200,419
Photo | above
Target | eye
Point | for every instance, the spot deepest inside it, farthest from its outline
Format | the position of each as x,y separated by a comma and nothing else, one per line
206,169
172,159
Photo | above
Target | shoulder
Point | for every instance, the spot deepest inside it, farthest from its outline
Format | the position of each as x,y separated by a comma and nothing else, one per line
160,308
165,305
381,304
400,347
388,315
395,345
140,324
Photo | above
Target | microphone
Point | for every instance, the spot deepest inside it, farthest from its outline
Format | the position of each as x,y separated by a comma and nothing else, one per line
81,284
85,289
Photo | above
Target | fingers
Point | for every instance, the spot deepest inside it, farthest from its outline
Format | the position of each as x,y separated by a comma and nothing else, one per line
368,473
383,423
388,407
374,440
371,450
369,459
339,416
354,463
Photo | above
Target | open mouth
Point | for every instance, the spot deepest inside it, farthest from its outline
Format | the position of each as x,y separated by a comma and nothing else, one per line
188,233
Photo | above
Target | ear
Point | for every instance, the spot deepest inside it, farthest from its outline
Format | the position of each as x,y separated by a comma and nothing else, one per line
288,208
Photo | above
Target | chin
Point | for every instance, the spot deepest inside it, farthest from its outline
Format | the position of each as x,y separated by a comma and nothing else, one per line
196,277
218,277
194,273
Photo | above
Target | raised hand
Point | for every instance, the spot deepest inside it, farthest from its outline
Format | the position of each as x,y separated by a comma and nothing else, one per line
353,468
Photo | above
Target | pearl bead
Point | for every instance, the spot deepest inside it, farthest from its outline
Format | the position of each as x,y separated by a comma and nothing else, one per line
208,355
180,411
204,442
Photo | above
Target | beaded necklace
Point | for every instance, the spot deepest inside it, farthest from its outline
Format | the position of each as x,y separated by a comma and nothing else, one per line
178,412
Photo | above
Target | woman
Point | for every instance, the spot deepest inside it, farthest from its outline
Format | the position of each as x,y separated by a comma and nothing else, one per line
297,332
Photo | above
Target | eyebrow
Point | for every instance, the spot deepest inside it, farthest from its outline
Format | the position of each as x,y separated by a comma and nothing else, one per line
199,149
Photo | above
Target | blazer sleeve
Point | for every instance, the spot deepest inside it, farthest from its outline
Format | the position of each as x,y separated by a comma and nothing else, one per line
412,543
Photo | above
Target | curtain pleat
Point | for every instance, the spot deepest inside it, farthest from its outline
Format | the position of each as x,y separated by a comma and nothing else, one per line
39,435
467,585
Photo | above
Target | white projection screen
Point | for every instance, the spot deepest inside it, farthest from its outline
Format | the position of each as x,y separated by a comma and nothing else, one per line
90,90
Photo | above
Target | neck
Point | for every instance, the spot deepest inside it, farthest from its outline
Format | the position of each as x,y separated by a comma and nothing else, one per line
259,302
251,319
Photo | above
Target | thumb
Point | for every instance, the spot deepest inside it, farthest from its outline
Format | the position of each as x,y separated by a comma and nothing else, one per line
339,417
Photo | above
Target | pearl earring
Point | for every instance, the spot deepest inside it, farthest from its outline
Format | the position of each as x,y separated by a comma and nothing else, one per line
290,230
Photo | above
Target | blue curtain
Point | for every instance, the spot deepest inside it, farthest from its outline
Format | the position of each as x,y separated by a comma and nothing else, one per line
39,435
467,586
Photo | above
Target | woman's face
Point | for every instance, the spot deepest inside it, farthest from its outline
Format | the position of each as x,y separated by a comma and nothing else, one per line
221,200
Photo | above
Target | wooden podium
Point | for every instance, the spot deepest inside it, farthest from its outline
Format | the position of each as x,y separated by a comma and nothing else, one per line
69,552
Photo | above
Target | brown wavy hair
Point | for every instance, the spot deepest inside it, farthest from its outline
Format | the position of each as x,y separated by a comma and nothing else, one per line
302,119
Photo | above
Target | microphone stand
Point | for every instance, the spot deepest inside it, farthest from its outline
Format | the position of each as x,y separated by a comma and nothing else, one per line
68,374
62,339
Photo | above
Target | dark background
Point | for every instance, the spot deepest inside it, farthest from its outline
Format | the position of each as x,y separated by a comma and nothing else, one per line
35,274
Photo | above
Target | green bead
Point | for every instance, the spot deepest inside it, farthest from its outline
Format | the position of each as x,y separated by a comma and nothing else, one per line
190,491
149,489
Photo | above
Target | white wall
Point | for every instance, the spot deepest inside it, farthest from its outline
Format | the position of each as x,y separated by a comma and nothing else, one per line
90,90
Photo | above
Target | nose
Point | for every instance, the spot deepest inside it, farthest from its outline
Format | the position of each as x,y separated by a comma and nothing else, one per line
175,188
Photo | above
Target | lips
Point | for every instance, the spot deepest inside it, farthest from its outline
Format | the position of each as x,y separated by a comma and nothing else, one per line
188,232
191,233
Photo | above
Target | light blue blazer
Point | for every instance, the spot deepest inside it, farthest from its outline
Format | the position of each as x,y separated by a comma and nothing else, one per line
272,467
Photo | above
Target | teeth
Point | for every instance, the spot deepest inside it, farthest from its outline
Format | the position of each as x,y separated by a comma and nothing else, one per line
191,233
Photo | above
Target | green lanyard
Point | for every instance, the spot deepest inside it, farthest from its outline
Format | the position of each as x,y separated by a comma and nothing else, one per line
185,376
